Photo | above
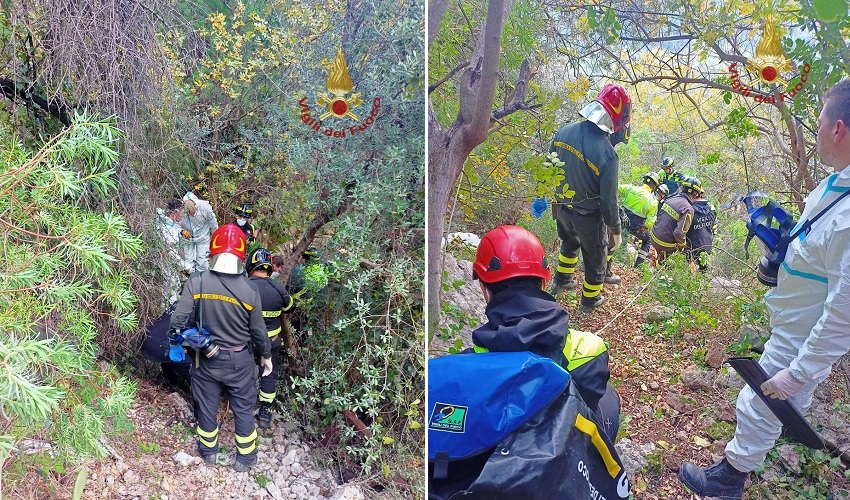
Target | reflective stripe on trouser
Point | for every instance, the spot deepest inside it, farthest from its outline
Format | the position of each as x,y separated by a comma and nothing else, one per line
236,372
268,384
758,428
247,445
590,291
207,439
588,233
566,264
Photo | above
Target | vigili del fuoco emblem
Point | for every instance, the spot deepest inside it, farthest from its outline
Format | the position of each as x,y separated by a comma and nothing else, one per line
338,102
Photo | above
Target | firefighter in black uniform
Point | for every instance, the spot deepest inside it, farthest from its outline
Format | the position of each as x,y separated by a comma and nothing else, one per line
276,302
700,237
587,200
244,212
226,304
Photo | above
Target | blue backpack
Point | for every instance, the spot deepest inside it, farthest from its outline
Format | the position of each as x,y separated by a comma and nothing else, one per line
511,425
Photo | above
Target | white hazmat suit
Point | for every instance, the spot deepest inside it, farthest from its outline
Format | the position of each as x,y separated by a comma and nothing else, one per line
172,244
200,227
809,319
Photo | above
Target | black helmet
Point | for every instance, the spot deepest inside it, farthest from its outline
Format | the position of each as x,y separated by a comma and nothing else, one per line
667,162
259,259
245,210
691,185
311,254
652,180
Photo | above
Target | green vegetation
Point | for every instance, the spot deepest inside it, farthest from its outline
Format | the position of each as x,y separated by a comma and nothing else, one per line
64,277
205,97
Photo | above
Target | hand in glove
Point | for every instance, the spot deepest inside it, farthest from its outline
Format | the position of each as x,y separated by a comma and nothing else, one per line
266,364
783,385
176,353
618,238
538,206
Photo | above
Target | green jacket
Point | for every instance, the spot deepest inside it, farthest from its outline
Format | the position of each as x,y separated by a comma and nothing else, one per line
639,201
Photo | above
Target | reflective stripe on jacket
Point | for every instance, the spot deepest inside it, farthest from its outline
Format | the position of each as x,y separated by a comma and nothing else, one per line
591,168
674,220
640,201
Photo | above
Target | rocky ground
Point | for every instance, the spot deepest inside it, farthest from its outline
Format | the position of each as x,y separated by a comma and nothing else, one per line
678,398
157,460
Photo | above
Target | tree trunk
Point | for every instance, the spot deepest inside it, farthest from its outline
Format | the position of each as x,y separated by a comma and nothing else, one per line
448,149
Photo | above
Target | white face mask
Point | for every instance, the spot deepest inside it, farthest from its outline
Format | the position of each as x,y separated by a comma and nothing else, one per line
274,275
241,222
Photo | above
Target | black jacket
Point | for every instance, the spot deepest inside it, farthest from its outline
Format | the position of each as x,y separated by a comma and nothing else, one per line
701,234
276,302
529,319
591,168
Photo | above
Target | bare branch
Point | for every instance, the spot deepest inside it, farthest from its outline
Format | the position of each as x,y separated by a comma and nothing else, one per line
448,76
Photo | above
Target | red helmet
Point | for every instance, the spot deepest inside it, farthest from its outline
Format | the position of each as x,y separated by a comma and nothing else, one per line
509,252
228,238
617,103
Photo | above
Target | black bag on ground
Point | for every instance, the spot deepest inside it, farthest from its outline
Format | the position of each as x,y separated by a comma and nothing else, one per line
155,348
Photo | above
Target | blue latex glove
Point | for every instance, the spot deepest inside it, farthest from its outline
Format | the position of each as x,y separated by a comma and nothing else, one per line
176,353
538,206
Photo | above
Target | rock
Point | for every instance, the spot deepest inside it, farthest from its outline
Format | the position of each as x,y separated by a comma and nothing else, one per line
467,297
32,446
274,491
718,449
727,414
659,314
697,380
730,380
715,355
789,457
183,408
289,459
755,336
110,481
721,287
654,386
183,458
678,402
130,477
348,492
632,455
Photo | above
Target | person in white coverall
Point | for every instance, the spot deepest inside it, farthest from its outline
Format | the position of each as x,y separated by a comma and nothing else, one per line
198,224
168,227
809,314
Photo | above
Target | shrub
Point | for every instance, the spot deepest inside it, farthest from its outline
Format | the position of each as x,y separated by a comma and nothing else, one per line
64,274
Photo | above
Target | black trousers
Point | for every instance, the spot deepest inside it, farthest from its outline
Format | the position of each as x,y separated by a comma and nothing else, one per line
235,372
589,234
268,384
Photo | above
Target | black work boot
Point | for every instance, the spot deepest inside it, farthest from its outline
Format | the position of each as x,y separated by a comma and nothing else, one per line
264,417
610,277
209,459
588,305
243,464
718,480
561,283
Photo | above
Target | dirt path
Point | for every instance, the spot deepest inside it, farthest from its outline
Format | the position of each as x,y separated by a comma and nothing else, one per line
156,459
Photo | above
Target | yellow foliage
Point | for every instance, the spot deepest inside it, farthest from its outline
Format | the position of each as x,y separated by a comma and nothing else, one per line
577,90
